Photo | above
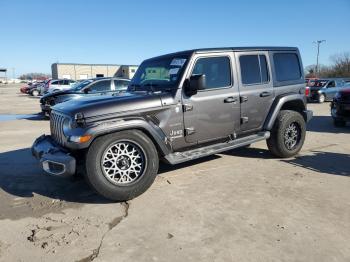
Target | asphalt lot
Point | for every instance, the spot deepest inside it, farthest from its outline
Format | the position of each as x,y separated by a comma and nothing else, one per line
243,205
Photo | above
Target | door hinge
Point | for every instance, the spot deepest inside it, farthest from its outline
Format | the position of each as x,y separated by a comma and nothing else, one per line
187,107
243,99
244,120
189,131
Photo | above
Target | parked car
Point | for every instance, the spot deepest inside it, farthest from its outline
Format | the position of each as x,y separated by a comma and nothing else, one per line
325,89
340,107
55,85
31,89
90,87
179,107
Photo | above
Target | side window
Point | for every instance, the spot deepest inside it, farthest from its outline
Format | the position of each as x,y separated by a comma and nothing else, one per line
54,83
287,66
100,86
65,82
217,71
331,84
254,69
121,85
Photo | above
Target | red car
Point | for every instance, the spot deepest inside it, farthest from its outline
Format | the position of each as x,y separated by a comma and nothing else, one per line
340,107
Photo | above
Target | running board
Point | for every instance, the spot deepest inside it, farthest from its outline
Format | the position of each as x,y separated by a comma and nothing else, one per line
180,157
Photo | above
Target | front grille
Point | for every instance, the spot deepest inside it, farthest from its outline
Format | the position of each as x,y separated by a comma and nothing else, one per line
56,127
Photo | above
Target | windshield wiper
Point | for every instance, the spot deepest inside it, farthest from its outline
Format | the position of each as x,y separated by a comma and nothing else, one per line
151,86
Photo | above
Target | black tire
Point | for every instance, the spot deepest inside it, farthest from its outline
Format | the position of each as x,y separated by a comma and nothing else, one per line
277,142
321,98
110,189
339,123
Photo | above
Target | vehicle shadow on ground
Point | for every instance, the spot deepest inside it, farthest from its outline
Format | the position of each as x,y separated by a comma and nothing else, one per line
32,117
21,175
320,161
323,162
324,124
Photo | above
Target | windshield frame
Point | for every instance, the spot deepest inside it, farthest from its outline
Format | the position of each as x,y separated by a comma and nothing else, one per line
139,84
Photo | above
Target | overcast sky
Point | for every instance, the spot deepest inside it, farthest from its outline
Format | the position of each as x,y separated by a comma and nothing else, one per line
35,34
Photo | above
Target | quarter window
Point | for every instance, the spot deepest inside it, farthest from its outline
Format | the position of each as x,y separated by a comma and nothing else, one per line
254,69
217,71
287,66
121,85
100,86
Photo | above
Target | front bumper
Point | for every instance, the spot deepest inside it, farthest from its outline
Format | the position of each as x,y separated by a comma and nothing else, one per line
53,158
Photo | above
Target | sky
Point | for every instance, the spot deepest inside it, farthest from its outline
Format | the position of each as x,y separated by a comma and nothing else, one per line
34,34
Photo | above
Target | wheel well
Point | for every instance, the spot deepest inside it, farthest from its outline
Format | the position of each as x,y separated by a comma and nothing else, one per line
295,105
147,133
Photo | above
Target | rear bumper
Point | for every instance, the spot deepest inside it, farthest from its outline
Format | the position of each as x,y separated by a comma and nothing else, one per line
54,160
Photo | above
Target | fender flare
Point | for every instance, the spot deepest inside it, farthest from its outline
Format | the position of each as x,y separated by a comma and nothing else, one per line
278,104
149,128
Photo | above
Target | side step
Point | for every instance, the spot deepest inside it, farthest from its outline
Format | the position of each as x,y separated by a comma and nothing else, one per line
180,157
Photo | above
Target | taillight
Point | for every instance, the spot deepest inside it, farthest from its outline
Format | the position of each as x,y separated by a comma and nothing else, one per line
307,91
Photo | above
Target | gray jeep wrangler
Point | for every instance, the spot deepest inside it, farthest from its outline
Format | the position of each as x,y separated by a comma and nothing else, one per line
179,107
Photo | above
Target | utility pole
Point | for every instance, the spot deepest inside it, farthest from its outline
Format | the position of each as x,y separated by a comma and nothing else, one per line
318,42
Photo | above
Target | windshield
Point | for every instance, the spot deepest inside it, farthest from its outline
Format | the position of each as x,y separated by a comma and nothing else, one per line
79,86
159,74
320,83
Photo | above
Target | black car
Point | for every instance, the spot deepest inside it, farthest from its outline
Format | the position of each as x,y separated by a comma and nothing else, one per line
340,107
89,87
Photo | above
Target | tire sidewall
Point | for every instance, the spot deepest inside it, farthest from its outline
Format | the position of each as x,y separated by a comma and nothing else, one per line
291,117
102,185
321,98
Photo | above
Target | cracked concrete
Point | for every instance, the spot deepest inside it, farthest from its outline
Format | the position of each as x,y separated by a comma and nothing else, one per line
243,205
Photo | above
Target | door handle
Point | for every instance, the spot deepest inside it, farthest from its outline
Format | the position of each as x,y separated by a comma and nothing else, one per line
230,100
265,94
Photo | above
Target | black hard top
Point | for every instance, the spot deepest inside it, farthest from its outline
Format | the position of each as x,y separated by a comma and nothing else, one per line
223,49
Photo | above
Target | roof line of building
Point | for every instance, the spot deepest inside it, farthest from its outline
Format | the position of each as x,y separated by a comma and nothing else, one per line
92,64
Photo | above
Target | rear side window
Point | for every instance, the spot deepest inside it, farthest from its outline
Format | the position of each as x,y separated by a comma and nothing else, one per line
54,82
121,84
100,86
217,71
287,66
254,69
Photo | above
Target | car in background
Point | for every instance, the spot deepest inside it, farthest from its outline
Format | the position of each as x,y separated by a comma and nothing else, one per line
89,87
58,85
325,89
340,106
32,88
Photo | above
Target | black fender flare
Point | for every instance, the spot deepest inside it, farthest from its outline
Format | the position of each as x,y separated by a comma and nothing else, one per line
278,104
149,128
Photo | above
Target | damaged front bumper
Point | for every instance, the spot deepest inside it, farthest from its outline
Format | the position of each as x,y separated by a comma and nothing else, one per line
54,159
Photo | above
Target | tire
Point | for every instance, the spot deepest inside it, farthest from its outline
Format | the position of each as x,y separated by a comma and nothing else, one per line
339,123
321,98
291,124
35,93
116,188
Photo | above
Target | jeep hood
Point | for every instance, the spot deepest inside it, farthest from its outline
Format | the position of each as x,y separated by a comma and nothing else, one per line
125,103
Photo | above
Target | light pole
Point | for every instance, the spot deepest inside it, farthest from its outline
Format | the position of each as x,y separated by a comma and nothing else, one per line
318,42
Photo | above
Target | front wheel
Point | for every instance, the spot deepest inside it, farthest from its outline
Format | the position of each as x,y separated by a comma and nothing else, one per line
287,135
122,165
35,93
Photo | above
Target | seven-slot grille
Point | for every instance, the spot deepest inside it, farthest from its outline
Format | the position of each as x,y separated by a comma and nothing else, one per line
56,127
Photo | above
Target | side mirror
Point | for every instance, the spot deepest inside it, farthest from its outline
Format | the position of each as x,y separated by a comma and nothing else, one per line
195,83
86,90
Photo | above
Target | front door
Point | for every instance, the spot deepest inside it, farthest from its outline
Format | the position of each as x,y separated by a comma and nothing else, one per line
212,113
256,89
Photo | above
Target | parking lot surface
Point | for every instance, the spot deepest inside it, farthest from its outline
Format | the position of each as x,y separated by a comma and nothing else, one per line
243,205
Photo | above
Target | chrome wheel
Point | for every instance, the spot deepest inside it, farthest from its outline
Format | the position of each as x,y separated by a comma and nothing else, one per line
292,136
123,162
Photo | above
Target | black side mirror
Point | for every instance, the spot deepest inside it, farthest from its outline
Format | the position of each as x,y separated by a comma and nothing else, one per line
86,90
195,83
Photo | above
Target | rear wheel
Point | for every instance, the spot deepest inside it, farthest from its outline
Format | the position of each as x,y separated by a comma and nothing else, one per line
287,135
321,98
122,165
35,93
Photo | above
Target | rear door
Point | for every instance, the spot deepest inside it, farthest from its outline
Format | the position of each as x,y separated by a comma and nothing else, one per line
99,87
255,87
212,113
